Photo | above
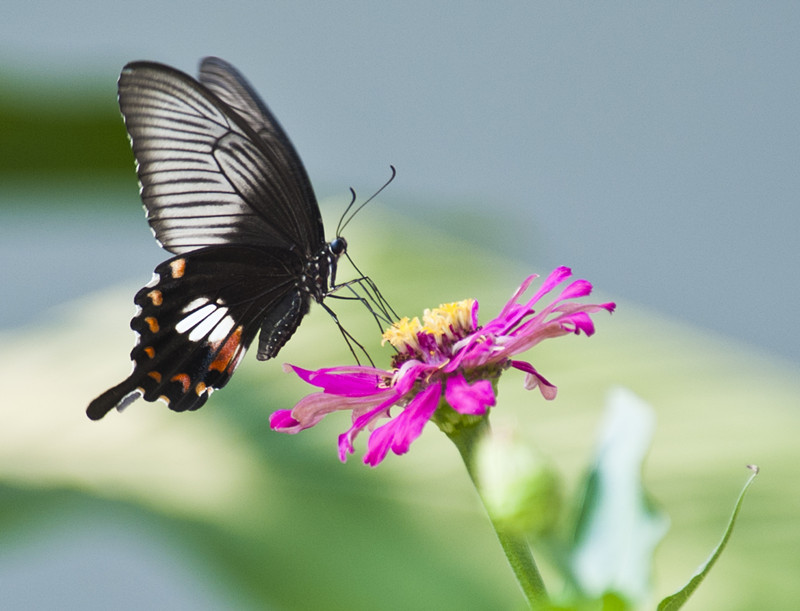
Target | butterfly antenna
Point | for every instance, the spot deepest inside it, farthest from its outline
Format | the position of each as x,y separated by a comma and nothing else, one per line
345,219
340,226
362,288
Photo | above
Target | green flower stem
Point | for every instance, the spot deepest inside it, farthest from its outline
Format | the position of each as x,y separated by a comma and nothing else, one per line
517,550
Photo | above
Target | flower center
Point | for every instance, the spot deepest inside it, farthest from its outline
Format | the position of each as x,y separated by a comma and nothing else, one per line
440,328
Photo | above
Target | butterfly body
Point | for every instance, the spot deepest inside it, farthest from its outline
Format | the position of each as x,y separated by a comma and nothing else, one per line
225,192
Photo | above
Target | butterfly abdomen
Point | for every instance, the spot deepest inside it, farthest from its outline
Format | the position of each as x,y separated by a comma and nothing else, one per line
280,324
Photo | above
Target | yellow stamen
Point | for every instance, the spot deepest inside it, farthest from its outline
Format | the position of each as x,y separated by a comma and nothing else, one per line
449,320
403,333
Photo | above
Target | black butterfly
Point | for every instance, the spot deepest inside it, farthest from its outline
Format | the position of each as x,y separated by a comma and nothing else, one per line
225,192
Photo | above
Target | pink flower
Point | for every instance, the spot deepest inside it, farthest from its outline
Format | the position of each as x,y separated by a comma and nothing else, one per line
445,367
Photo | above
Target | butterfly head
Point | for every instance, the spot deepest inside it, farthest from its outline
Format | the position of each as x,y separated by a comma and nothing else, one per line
338,247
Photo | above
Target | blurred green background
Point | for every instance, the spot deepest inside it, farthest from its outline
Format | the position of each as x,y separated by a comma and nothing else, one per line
653,151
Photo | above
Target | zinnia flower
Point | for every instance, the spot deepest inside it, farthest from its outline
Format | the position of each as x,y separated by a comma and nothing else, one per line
446,356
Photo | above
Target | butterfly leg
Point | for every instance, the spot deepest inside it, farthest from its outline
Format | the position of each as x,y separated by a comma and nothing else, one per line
348,337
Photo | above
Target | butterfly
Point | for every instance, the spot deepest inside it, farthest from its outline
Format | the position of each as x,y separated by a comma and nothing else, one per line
226,193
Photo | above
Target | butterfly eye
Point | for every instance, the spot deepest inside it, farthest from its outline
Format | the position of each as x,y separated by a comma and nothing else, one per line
338,246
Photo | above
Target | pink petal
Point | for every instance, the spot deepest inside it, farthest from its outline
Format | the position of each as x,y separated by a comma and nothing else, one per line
364,419
581,321
402,430
408,374
575,290
517,294
345,444
556,277
466,399
282,421
534,379
474,315
513,313
314,407
352,381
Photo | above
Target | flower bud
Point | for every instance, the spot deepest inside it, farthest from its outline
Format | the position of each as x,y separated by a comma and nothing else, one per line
521,491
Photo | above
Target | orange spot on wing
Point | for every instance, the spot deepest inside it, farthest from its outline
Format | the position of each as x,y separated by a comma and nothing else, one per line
156,297
150,351
227,352
178,267
200,389
155,375
183,379
152,323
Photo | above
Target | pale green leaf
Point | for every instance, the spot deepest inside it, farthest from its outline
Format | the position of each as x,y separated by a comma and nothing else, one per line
676,601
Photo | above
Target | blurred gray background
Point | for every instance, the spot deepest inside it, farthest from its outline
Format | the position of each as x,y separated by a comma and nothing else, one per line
653,148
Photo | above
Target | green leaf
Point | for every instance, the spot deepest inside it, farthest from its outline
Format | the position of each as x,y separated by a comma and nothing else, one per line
618,528
676,601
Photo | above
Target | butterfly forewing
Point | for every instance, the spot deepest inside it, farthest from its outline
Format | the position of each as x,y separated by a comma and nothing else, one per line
181,133
224,81
228,84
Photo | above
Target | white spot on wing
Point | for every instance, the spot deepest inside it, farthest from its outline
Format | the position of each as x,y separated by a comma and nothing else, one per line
207,325
128,399
222,330
194,304
195,318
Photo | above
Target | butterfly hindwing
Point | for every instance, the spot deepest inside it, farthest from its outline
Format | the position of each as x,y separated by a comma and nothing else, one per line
197,318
